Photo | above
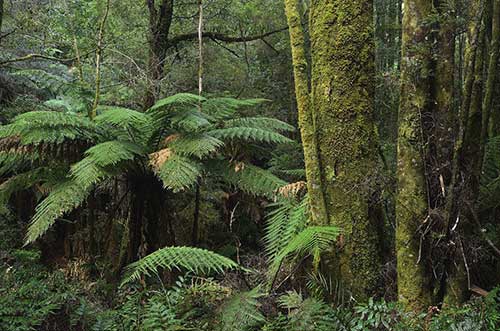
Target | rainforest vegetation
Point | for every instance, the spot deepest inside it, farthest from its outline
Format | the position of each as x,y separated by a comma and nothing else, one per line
273,165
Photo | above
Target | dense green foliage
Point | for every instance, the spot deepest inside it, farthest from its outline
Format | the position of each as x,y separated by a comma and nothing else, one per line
249,165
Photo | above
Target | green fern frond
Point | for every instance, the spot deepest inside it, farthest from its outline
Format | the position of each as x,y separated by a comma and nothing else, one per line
196,260
191,120
307,315
223,107
242,312
179,173
15,161
250,134
268,123
198,145
287,218
249,178
20,182
121,117
179,99
103,160
311,241
63,199
50,127
490,175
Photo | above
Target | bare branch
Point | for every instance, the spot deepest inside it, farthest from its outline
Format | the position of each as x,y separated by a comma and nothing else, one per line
221,37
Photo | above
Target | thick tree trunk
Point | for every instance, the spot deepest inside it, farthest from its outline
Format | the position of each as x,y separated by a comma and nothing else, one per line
412,195
343,88
305,111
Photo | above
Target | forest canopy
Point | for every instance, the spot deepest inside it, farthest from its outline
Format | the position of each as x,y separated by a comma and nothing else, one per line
250,165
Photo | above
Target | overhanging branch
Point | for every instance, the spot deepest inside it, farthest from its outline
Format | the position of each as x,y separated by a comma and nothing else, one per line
221,37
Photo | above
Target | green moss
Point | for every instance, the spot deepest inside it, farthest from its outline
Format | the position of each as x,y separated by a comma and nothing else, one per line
305,111
343,87
411,202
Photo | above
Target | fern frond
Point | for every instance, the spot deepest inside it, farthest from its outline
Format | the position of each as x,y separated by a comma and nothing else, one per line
249,178
64,198
50,127
121,117
190,120
103,161
198,145
242,312
196,260
307,315
490,175
179,99
223,107
179,173
250,134
267,123
287,218
20,182
311,241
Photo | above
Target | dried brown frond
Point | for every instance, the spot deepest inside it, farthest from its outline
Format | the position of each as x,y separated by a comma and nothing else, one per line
157,159
238,166
293,189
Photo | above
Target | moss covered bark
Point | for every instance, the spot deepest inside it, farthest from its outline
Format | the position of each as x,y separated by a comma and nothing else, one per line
305,112
343,87
411,205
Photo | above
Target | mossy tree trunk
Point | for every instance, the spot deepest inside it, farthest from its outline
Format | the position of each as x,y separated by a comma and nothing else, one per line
342,99
305,112
412,195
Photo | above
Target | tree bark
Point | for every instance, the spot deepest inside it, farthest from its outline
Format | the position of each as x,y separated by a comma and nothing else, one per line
343,88
412,194
305,112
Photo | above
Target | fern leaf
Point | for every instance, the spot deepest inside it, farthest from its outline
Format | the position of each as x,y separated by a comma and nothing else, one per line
250,134
242,312
179,99
103,161
249,178
121,117
179,173
63,199
285,221
267,123
223,107
198,145
196,260
311,241
50,127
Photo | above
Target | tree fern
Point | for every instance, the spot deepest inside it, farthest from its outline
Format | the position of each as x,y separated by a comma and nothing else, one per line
64,198
242,312
192,259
